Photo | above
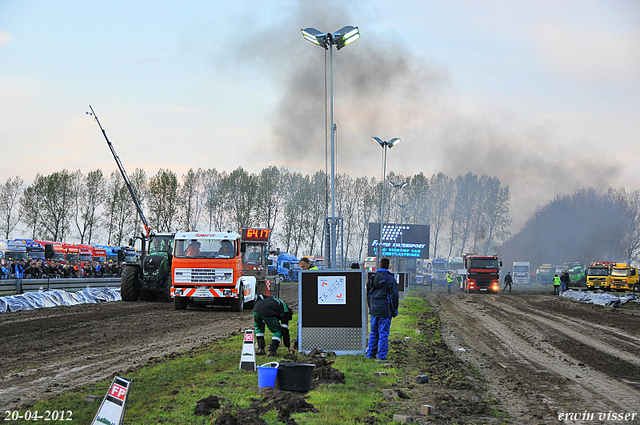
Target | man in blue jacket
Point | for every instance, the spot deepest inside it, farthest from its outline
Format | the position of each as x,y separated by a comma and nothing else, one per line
382,298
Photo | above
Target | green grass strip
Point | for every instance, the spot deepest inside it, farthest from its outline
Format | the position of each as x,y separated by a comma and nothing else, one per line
166,392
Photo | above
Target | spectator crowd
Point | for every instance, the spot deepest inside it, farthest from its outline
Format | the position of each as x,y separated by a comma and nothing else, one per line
57,269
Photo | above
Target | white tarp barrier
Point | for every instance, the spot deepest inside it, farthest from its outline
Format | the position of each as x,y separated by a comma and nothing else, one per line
600,298
56,297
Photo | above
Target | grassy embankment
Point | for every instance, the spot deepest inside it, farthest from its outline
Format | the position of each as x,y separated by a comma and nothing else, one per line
167,389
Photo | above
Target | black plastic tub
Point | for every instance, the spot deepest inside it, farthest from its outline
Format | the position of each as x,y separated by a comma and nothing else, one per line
294,376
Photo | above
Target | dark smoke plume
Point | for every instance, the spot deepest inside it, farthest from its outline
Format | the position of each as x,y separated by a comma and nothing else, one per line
382,89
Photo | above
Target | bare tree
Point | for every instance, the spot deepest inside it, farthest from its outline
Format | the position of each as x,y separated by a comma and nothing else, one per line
29,210
214,198
463,211
367,208
89,196
315,211
419,199
120,211
295,218
270,196
192,196
495,213
52,200
9,205
346,207
440,199
140,187
629,204
163,200
243,196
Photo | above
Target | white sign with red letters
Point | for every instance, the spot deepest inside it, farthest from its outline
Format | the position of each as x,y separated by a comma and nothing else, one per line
112,408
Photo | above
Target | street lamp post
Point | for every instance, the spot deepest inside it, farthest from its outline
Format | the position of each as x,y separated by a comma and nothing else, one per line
384,145
340,39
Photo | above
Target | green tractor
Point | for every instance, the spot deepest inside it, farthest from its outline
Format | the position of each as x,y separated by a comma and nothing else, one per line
149,277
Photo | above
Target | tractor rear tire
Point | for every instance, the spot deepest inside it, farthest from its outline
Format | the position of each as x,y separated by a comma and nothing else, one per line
237,304
130,284
180,303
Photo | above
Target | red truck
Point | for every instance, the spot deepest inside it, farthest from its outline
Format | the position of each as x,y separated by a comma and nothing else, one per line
483,273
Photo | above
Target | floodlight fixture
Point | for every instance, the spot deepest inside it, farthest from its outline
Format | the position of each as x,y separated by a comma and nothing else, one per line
386,144
398,185
346,36
343,37
315,36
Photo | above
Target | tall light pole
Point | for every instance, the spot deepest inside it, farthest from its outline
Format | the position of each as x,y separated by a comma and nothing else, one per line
384,145
340,38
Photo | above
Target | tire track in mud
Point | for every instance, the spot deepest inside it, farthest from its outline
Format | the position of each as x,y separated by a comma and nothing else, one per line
528,356
101,354
607,340
50,351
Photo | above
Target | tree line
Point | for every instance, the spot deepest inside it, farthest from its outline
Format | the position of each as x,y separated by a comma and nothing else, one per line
583,226
468,213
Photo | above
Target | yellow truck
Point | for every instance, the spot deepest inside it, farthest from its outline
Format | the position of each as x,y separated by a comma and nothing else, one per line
599,275
624,277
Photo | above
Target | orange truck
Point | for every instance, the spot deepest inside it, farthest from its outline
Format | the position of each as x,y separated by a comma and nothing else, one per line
207,269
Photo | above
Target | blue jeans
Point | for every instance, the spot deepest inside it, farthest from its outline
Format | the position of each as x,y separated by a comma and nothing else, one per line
379,338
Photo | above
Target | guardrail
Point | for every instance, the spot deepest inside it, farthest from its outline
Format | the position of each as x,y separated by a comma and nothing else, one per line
19,286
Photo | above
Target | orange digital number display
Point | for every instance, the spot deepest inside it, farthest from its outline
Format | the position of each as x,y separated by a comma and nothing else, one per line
255,234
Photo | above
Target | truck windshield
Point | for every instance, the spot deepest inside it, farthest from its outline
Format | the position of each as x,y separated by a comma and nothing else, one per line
620,272
254,254
10,256
484,264
440,266
36,253
160,244
598,271
520,269
204,248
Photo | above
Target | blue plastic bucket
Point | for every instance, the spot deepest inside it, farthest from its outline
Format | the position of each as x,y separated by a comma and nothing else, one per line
267,374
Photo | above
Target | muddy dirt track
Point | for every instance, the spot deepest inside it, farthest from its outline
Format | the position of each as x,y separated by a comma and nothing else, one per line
543,355
52,350
540,355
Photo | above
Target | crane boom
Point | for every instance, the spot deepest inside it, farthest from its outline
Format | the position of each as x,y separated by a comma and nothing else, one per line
124,174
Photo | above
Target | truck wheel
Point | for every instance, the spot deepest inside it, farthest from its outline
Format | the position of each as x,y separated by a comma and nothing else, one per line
237,304
636,288
130,284
282,279
180,303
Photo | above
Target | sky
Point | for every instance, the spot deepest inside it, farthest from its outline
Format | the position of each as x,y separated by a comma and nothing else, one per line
545,95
